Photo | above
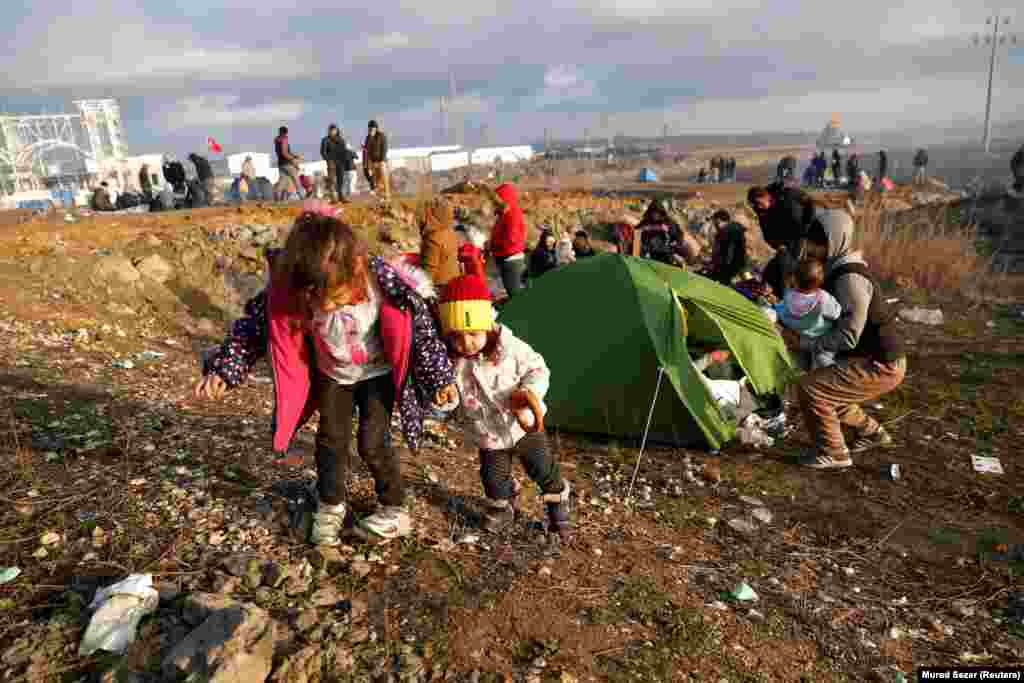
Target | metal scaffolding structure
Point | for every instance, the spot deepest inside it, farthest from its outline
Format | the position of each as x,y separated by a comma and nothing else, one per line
93,138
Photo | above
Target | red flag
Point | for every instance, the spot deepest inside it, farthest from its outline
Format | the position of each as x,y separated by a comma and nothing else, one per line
214,147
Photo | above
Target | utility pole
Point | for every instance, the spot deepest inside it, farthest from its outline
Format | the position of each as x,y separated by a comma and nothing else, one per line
456,121
995,40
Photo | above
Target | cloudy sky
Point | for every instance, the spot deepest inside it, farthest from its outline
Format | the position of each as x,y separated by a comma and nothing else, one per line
236,69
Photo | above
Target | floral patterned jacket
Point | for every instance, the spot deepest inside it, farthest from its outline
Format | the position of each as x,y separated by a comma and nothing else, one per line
486,389
418,356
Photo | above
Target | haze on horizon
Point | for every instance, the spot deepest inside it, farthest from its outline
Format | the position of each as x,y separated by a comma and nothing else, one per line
236,70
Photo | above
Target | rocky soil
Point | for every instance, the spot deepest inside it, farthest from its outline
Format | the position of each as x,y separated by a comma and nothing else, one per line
732,566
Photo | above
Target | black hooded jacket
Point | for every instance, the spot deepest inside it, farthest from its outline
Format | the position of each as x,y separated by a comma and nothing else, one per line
542,259
786,222
203,169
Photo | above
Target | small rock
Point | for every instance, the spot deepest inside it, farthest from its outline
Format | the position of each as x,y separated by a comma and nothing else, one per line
306,620
40,553
234,644
197,607
849,571
328,596
598,552
756,616
763,515
742,526
895,633
544,571
50,538
751,500
226,584
467,539
964,608
156,268
362,568
274,574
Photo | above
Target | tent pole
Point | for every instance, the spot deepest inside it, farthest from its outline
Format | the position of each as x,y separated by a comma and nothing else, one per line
643,443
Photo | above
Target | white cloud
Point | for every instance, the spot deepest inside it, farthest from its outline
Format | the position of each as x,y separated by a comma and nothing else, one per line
377,45
222,111
564,83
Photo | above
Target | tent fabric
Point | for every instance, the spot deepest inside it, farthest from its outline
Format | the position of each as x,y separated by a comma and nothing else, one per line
648,175
605,325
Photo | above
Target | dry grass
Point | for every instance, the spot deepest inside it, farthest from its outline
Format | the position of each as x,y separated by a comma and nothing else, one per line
926,249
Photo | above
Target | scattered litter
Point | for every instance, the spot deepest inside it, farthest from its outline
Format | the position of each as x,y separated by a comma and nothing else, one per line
50,538
744,593
118,611
751,500
8,574
1013,552
901,602
718,605
751,432
971,658
124,364
763,515
923,316
891,472
151,355
756,616
986,465
467,539
894,300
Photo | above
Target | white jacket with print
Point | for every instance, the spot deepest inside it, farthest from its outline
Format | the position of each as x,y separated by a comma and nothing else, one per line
486,389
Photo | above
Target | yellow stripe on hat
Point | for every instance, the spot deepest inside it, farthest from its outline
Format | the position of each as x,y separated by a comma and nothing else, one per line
466,316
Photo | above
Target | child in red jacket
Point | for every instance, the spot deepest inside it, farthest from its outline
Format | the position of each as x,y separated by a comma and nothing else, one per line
508,239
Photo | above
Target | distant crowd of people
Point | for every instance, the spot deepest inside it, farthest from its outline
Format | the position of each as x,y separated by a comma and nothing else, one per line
823,171
342,177
719,170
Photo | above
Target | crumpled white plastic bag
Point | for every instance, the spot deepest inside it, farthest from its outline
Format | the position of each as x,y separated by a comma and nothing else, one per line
119,609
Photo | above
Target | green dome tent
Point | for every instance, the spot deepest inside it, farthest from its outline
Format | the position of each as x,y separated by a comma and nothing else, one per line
606,324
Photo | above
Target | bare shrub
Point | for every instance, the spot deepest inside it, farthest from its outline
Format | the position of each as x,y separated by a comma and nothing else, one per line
927,248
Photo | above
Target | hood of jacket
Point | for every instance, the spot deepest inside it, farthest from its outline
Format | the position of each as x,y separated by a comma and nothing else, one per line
437,215
838,227
508,194
799,304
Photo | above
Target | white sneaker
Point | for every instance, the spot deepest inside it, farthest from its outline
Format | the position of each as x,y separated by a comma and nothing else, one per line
328,524
386,524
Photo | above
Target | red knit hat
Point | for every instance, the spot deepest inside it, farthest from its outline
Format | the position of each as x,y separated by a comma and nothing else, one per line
465,305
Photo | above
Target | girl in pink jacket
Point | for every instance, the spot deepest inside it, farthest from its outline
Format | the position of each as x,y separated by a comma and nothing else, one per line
502,383
346,334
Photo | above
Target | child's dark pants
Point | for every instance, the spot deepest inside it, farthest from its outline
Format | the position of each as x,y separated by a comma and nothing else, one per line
532,450
374,399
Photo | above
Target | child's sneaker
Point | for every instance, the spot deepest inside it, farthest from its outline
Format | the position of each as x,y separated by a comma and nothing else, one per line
328,524
386,524
557,505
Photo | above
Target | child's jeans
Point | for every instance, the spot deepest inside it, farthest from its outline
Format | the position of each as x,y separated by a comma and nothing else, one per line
532,451
338,403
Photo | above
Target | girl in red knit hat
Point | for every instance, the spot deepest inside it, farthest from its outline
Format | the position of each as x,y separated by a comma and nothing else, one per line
502,382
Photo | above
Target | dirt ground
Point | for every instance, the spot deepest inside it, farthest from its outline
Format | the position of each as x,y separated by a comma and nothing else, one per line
858,577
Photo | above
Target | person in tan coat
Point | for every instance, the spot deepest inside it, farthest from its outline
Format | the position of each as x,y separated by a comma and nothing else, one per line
439,251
